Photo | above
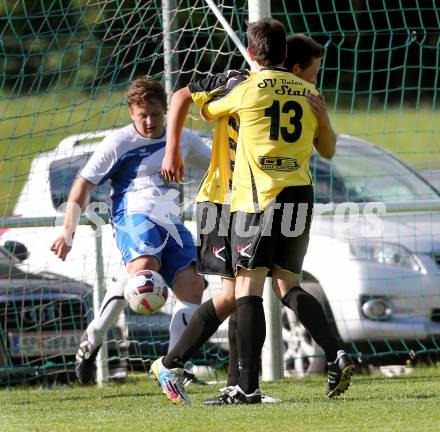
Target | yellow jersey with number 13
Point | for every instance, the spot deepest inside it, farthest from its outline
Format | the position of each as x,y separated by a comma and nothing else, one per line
277,128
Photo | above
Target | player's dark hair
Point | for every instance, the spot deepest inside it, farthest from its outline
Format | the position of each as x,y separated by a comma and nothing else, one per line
267,40
302,49
141,91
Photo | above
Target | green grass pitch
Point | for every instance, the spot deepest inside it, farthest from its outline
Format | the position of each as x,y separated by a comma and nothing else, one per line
373,403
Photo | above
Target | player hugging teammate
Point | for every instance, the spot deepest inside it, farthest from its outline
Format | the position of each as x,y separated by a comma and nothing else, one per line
281,117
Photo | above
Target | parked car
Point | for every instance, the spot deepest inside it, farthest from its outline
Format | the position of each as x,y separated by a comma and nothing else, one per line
376,274
42,317
50,178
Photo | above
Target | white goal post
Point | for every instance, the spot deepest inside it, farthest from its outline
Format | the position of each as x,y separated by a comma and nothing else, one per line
272,355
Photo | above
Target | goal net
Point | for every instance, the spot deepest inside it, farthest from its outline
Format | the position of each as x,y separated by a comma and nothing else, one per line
65,67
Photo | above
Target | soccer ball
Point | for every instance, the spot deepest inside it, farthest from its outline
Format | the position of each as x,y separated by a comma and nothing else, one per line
146,292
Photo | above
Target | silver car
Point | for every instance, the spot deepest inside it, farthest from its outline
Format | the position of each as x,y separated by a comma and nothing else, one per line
373,261
377,273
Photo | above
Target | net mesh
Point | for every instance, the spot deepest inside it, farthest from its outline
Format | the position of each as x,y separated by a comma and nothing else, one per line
380,77
65,67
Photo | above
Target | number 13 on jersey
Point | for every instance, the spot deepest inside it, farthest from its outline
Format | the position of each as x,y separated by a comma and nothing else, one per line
294,112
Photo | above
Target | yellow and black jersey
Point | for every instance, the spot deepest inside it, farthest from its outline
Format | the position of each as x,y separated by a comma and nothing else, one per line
277,128
216,185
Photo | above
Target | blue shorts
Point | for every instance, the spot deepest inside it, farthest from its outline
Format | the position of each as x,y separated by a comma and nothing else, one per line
137,235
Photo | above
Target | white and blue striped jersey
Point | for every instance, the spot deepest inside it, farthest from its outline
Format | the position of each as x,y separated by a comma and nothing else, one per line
133,165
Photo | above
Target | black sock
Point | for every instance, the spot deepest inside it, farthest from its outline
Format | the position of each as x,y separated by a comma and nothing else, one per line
233,372
312,316
203,324
251,332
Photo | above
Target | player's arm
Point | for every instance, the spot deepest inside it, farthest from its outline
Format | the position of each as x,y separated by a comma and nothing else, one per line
198,92
78,199
325,144
227,101
172,165
219,108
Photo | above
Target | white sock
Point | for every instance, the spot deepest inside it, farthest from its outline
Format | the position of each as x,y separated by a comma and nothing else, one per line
182,313
111,307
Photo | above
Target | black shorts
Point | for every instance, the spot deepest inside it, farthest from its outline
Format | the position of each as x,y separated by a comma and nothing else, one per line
214,239
278,236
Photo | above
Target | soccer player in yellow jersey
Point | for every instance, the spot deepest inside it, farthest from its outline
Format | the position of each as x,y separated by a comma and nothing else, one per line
307,308
272,201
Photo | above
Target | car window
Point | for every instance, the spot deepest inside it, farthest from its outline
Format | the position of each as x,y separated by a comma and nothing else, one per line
10,271
62,173
328,184
364,173
432,177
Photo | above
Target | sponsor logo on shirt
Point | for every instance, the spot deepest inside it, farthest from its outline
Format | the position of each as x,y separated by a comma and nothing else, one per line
278,163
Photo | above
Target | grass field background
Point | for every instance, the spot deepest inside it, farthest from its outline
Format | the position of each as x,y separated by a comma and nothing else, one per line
35,124
373,403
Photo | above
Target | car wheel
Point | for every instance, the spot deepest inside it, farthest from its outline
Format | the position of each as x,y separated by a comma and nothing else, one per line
4,376
303,356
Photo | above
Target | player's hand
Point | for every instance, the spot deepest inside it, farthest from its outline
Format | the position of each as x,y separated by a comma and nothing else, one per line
172,167
318,106
60,247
